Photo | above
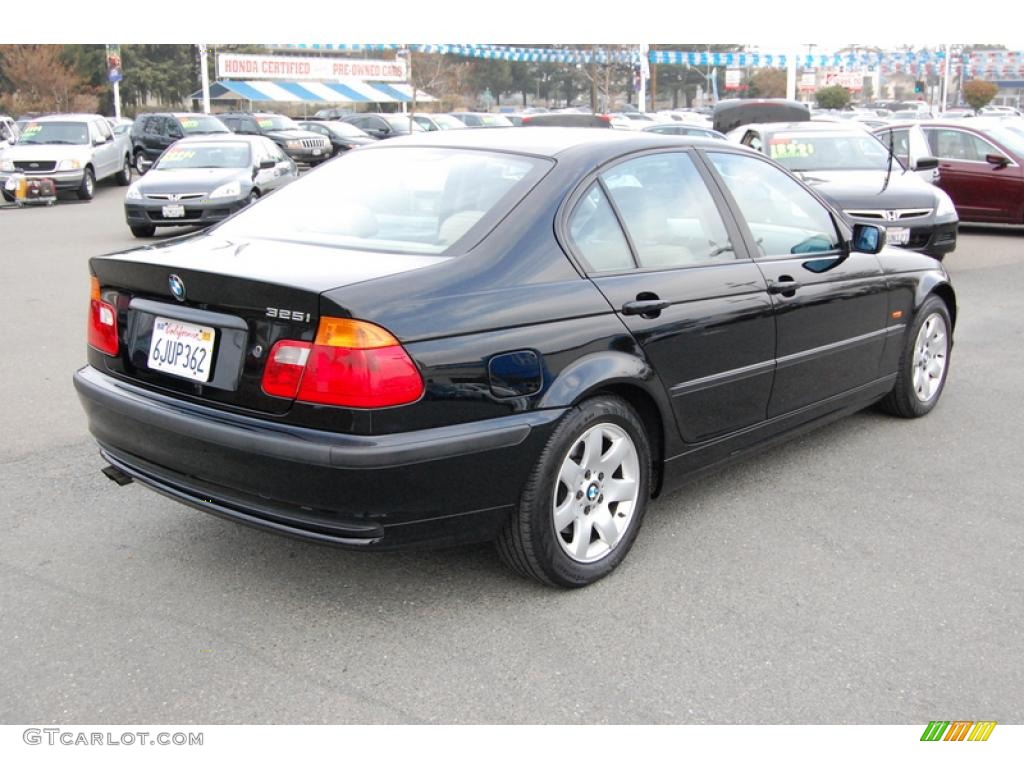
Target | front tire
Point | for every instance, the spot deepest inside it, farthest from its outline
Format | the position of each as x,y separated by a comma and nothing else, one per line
924,362
124,176
140,163
88,186
584,502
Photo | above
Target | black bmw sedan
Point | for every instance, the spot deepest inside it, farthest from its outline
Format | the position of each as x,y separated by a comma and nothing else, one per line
508,335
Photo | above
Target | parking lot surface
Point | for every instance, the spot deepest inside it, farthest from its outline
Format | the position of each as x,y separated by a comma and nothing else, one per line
870,572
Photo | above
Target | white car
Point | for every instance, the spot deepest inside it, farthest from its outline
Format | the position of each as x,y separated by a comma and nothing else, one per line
8,132
75,150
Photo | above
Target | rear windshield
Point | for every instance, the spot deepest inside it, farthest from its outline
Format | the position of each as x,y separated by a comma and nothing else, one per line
55,133
201,124
226,155
418,200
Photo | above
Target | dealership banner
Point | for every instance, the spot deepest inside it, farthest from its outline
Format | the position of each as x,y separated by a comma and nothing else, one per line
245,66
113,60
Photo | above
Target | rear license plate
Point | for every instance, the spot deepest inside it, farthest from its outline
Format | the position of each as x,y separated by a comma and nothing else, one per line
897,235
174,211
182,349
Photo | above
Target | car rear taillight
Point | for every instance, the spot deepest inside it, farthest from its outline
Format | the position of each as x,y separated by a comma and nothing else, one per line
102,322
350,363
604,118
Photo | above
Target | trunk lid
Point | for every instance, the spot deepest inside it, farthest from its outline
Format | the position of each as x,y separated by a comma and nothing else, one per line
247,295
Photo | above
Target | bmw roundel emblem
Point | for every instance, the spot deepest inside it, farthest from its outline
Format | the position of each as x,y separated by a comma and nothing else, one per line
177,287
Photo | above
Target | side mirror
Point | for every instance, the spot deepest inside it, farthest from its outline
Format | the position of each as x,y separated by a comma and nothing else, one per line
925,164
997,160
867,238
266,164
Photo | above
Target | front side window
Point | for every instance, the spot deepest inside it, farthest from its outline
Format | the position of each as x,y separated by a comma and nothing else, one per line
783,217
668,211
405,200
102,130
951,144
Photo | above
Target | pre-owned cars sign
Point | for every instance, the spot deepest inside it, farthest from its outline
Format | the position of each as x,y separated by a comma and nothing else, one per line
245,66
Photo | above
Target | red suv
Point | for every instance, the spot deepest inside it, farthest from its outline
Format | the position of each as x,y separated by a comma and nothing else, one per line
981,167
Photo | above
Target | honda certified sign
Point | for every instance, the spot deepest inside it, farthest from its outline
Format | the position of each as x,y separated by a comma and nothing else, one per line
245,66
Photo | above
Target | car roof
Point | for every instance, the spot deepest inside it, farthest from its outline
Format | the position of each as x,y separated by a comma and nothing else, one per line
69,116
981,123
220,138
802,125
547,141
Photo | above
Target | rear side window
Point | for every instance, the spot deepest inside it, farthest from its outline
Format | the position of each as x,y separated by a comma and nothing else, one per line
406,200
597,235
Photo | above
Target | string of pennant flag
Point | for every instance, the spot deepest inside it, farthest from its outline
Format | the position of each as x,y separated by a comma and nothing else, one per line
990,63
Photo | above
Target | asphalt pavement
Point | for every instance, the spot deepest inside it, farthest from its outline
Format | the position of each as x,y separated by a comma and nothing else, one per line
870,572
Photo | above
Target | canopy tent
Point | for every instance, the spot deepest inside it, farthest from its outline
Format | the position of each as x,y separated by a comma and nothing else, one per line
358,91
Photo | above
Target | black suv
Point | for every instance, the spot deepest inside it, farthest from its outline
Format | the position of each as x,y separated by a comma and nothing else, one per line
300,145
154,132
383,125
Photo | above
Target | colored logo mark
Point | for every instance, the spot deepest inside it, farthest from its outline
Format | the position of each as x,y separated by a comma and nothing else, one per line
958,730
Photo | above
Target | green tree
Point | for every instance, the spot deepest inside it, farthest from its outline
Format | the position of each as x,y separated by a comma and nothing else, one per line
39,80
832,97
978,93
494,75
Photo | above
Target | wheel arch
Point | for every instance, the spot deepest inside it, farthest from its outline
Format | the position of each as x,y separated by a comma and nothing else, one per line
627,377
940,288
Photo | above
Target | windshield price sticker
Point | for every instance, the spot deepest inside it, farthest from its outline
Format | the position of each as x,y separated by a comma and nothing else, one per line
189,124
179,154
781,149
182,349
31,128
264,123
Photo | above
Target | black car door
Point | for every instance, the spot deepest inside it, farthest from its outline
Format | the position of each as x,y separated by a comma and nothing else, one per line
151,138
651,235
830,304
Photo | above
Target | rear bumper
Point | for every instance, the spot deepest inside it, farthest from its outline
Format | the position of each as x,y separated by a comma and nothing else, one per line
438,486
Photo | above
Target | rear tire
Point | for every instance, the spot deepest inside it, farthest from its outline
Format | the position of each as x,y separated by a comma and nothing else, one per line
88,186
584,502
143,230
7,195
924,362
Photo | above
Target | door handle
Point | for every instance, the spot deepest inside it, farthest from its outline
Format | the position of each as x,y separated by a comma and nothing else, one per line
783,286
646,307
